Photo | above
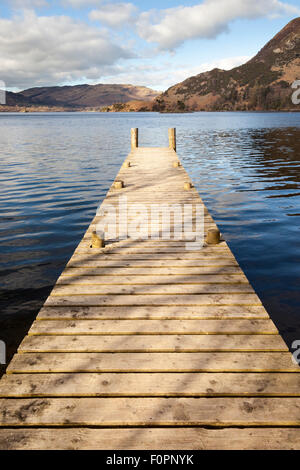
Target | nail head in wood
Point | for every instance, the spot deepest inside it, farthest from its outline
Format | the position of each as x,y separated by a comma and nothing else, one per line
97,242
213,236
118,184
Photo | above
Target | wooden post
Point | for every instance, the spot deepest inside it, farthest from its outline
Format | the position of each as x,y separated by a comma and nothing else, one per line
213,236
172,138
118,184
187,186
134,138
97,242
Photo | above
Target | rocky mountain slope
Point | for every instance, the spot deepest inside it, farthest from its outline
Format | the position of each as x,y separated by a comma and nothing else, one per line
88,95
16,99
76,98
263,83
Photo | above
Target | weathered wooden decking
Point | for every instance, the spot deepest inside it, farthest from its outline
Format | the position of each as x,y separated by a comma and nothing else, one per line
171,347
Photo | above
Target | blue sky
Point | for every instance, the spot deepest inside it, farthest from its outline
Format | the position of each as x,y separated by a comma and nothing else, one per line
152,43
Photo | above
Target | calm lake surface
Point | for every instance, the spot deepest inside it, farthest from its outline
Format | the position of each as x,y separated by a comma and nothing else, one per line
56,168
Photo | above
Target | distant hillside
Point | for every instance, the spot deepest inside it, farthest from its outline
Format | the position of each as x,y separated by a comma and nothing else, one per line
16,99
263,83
80,96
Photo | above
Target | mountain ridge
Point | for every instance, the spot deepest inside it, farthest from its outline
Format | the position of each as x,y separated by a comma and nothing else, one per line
78,97
262,83
88,95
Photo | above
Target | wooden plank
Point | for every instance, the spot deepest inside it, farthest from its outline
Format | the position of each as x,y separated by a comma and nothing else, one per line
139,196
149,384
169,222
152,362
150,438
151,218
168,231
146,249
158,247
82,279
85,248
148,327
151,232
149,289
188,255
167,312
160,244
150,245
152,299
122,412
151,343
96,261
202,271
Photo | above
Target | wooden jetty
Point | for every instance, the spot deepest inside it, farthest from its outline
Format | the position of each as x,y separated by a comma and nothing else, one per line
144,344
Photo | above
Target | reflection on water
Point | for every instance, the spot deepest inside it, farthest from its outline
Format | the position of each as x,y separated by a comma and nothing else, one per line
250,180
56,168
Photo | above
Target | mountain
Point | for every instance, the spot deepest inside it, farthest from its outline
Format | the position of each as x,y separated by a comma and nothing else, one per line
81,96
16,99
262,83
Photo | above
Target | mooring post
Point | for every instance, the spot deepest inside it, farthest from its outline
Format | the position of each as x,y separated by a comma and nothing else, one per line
213,236
172,138
97,241
134,138
118,184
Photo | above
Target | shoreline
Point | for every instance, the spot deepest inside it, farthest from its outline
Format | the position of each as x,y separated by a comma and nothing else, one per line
8,109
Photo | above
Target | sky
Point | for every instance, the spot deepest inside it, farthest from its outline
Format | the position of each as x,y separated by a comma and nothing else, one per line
150,43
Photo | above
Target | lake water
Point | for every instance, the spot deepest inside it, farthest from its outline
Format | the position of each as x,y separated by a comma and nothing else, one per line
56,168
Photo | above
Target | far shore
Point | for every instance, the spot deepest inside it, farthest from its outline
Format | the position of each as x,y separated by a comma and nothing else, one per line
58,109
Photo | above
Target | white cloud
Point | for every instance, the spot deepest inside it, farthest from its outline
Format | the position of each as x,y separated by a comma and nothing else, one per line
53,50
81,3
23,4
162,76
227,63
169,28
115,14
